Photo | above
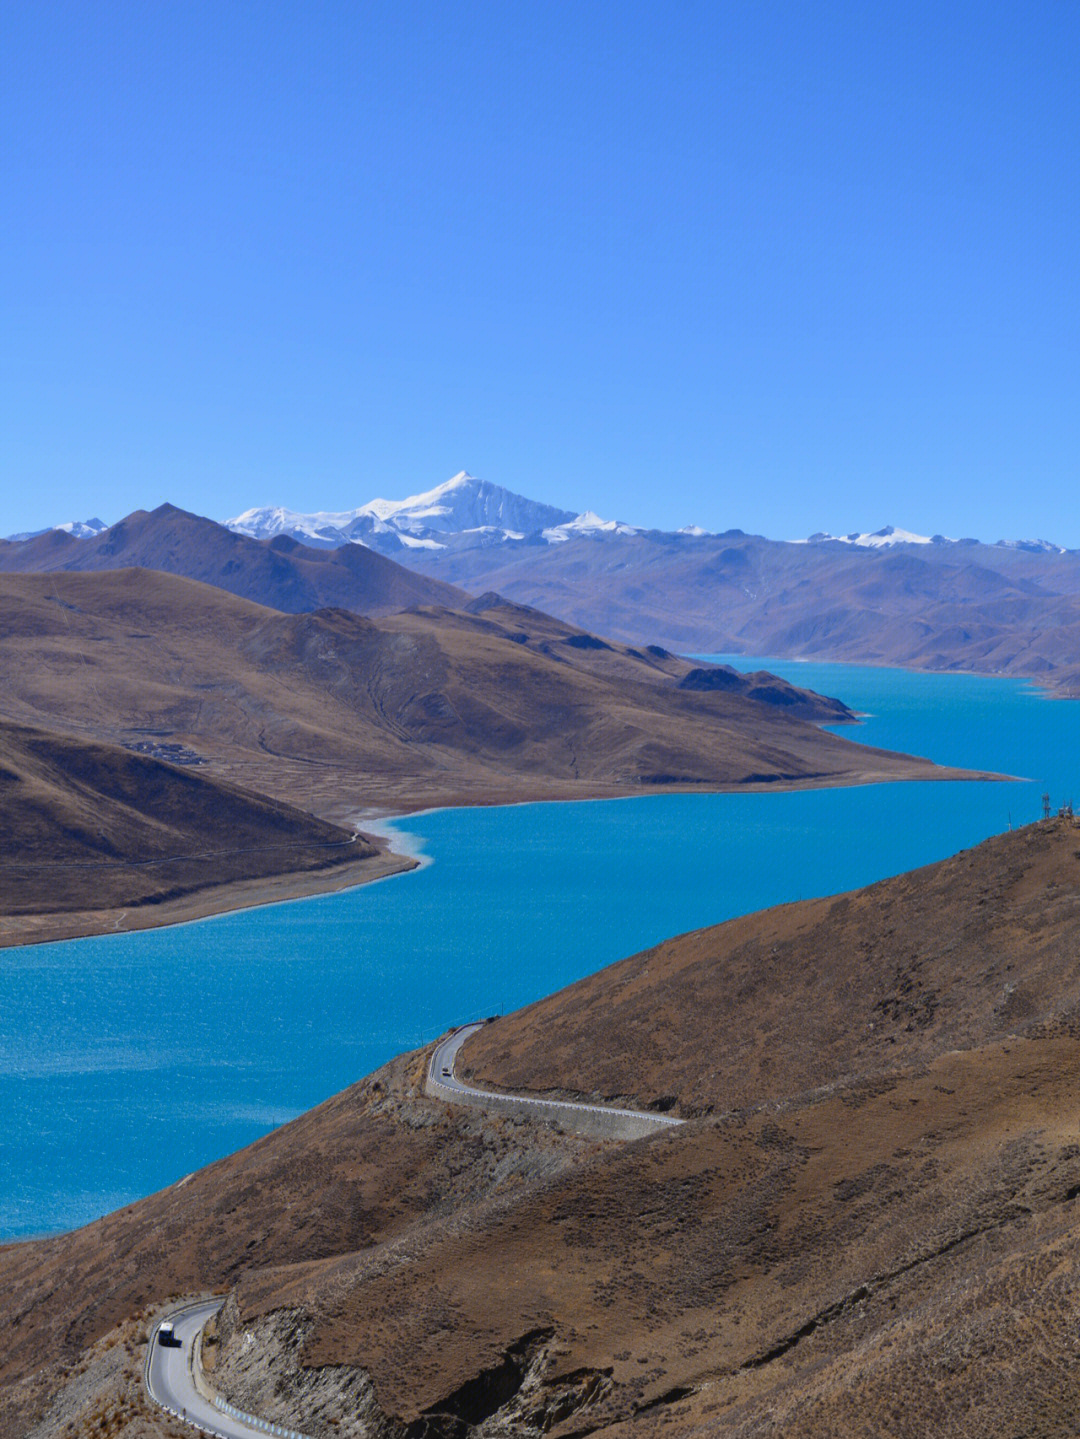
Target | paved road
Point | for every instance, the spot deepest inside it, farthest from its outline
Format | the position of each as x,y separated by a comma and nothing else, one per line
168,1378
442,1083
168,1375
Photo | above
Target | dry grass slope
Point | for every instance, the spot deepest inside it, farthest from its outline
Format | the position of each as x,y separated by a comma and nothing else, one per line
334,712
80,818
872,1226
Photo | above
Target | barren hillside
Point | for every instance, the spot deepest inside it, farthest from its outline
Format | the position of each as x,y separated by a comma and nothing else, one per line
873,1227
80,818
279,573
982,608
335,712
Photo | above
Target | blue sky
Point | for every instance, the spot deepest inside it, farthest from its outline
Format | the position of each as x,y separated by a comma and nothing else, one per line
781,266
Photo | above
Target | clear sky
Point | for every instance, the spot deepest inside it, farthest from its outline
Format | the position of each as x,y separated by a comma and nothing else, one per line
775,264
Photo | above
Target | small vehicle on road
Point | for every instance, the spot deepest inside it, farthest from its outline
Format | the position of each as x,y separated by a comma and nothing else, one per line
446,1070
167,1336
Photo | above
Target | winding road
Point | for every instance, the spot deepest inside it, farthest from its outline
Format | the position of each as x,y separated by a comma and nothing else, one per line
168,1375
443,1083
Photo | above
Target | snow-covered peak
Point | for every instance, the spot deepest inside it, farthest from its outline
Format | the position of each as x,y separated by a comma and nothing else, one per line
462,506
466,503
78,529
879,539
589,524
83,529
890,535
695,531
323,528
1035,547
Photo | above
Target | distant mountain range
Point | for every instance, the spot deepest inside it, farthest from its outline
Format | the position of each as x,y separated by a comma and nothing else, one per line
463,513
887,597
168,669
889,536
281,573
469,513
80,529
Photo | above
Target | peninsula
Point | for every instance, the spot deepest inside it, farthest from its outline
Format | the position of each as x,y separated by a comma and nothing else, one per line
171,749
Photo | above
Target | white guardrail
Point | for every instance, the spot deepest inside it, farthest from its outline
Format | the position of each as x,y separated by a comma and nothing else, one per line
264,1424
198,1373
204,1386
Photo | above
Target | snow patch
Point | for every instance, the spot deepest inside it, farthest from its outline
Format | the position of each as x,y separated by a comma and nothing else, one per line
78,529
589,524
878,540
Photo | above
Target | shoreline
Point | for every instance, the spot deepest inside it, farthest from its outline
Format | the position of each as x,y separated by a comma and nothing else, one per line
365,818
376,821
1044,687
205,903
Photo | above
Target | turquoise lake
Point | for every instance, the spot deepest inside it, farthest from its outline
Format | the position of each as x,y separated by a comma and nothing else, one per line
127,1061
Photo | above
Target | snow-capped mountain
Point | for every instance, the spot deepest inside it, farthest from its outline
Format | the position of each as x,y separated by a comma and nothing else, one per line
890,535
466,503
1034,547
467,513
879,539
588,523
463,513
79,529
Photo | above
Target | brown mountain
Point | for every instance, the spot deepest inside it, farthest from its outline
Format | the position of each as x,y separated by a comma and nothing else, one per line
335,712
81,819
964,606
991,609
279,573
871,1224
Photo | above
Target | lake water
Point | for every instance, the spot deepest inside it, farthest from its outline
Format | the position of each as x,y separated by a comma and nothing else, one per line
127,1061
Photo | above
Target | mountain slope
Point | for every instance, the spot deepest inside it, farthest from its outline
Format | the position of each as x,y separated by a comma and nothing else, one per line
882,978
82,820
334,711
985,608
876,1230
886,598
280,573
